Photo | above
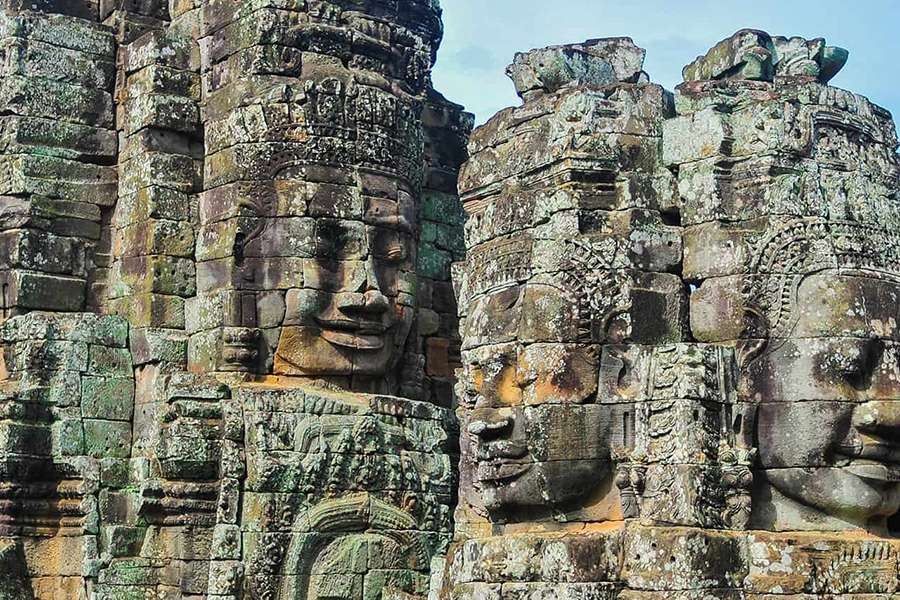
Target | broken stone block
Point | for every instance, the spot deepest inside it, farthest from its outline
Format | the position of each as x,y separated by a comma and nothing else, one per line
104,439
595,62
749,54
28,290
808,58
109,398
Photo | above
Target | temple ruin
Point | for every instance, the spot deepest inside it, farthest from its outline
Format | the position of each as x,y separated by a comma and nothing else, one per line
277,324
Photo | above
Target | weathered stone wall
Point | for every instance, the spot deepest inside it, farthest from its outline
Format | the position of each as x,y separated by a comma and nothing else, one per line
58,149
67,407
264,195
257,345
700,401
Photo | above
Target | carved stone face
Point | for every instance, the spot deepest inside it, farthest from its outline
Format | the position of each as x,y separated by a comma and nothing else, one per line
532,439
829,416
356,311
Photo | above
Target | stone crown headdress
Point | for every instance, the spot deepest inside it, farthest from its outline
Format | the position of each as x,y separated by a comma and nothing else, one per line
789,254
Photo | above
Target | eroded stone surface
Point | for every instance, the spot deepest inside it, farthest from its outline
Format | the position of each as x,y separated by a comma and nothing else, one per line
595,62
265,337
615,446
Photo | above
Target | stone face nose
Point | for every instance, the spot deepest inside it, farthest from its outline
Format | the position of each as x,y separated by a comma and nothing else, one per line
369,303
376,301
878,418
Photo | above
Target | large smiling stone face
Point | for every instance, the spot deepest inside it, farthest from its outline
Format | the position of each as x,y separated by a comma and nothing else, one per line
829,416
355,314
533,436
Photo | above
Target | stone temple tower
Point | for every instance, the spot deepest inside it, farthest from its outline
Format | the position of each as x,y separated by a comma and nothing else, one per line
275,326
679,332
229,329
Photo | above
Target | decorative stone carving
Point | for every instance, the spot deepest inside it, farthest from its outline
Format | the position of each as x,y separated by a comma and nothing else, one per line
755,55
751,457
340,496
230,337
805,253
842,465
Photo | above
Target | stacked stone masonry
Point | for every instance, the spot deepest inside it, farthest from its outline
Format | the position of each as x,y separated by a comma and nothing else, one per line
679,369
228,323
275,326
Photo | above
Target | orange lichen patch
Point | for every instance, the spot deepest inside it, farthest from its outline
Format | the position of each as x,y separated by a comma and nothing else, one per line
604,526
476,380
553,529
280,382
545,388
296,133
507,388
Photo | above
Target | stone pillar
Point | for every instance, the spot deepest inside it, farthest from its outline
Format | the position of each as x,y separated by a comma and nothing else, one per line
573,257
58,144
328,223
434,345
314,174
159,161
570,251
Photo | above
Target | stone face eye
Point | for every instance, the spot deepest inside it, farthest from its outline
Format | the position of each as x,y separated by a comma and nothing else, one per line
859,364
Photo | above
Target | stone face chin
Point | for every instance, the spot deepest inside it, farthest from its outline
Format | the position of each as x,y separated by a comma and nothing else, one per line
276,323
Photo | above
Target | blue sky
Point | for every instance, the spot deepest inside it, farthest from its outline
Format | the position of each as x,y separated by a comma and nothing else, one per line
482,36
